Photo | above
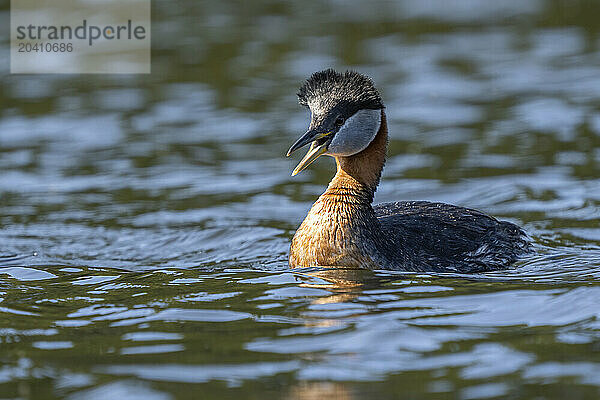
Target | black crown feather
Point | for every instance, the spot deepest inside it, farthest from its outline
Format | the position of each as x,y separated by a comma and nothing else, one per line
350,86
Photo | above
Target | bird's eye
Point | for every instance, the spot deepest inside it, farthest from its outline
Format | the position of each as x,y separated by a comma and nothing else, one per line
339,121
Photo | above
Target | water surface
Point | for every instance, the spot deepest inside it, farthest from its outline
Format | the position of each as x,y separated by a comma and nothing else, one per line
145,220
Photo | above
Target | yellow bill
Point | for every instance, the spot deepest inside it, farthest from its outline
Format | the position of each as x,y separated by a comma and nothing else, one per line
314,152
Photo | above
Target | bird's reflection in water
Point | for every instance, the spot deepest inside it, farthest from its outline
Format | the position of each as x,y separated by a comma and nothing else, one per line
334,277
320,390
345,283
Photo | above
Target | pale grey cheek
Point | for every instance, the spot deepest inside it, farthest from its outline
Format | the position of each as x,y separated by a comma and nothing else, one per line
356,134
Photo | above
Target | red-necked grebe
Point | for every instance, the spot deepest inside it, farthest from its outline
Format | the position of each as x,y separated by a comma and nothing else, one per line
343,229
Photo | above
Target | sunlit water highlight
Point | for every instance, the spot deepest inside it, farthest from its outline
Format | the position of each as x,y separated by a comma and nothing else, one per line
145,221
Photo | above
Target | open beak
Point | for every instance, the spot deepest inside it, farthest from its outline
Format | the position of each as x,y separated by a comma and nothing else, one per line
317,148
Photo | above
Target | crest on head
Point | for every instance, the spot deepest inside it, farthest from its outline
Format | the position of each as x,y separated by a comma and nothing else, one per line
327,89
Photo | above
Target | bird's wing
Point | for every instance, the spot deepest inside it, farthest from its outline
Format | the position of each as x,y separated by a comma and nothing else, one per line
443,229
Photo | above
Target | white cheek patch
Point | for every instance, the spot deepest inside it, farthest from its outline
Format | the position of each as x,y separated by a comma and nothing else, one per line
356,134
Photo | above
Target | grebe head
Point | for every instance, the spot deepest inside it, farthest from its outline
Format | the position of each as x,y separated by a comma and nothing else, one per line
345,115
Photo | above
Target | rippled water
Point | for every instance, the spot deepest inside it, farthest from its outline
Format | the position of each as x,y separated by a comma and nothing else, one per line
145,220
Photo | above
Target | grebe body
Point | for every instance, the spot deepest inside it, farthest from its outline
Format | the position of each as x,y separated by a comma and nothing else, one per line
343,228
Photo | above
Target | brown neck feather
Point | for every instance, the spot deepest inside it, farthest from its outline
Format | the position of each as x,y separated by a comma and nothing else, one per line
361,172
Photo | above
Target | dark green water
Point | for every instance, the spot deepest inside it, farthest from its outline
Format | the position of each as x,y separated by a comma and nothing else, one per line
145,220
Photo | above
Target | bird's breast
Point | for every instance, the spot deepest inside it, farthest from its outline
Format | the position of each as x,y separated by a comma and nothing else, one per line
332,234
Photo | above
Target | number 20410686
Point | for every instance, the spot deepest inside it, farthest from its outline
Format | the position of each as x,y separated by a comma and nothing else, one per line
45,47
